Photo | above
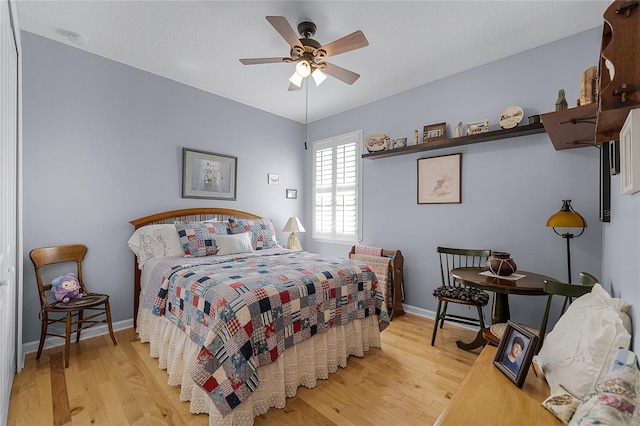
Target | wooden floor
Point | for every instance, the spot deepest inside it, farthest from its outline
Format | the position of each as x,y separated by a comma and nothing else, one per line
406,382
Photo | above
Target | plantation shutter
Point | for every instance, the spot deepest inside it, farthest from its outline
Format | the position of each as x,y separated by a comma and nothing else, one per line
336,209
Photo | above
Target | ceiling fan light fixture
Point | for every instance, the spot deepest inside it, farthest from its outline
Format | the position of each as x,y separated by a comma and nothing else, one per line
303,69
296,79
318,76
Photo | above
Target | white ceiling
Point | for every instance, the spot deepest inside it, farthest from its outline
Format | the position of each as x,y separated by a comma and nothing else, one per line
411,43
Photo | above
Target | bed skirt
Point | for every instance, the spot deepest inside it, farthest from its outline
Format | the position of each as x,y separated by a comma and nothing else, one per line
300,365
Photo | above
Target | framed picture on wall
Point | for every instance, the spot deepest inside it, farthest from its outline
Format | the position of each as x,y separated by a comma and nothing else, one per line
439,179
208,175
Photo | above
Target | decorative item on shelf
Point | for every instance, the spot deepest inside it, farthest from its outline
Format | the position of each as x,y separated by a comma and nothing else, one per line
376,142
400,143
511,117
501,263
561,103
415,137
534,119
477,127
390,144
588,86
458,129
434,133
567,218
293,225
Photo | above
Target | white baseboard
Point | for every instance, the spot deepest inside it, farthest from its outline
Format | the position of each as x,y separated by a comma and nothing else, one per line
425,313
99,330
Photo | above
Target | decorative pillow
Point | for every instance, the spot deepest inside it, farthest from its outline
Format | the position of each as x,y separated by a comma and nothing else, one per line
196,238
562,405
581,346
612,401
261,231
232,244
155,241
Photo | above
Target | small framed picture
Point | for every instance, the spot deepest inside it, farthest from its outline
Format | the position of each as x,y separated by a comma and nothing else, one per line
477,127
292,194
399,143
434,133
273,179
515,352
439,179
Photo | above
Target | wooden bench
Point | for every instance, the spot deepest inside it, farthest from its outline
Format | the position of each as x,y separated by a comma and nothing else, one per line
487,397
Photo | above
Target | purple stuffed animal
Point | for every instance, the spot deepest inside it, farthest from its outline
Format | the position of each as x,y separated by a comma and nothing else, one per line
66,287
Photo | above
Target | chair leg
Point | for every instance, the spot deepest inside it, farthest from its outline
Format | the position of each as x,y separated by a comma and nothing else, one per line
43,333
481,317
79,325
444,314
435,324
67,340
108,312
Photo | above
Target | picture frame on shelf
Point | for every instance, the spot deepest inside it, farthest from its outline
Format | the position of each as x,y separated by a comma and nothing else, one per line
433,133
439,179
515,352
399,143
208,175
477,127
292,194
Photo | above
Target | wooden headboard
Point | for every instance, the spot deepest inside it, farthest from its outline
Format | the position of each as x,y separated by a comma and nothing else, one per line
193,215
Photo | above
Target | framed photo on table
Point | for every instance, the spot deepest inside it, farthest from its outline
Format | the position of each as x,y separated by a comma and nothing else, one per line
515,352
208,175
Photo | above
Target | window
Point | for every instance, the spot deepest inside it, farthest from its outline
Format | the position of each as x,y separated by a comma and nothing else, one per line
336,197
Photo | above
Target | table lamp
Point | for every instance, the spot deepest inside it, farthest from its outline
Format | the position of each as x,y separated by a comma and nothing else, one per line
567,218
293,225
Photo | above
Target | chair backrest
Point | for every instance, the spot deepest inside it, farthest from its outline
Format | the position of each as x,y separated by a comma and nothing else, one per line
45,256
553,288
458,258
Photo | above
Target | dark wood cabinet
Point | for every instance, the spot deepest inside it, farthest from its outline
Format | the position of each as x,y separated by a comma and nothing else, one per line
619,69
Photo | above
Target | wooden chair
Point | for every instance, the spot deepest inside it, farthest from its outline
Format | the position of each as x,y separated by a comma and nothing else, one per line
452,291
71,313
494,333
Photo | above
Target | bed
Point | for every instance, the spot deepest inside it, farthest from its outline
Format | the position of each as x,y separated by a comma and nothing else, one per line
238,322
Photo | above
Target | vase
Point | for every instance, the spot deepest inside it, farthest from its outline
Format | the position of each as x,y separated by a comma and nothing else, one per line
501,263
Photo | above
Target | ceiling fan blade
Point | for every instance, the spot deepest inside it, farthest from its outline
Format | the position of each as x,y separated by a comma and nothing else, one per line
282,26
340,73
254,61
353,41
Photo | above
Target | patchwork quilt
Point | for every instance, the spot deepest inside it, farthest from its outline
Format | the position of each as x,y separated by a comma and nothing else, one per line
246,309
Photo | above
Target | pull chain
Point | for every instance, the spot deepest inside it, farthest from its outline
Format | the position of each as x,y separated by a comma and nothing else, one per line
306,114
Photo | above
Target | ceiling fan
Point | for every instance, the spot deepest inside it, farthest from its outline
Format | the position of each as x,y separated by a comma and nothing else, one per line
309,55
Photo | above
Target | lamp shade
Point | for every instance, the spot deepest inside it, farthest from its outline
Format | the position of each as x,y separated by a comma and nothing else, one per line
566,217
293,225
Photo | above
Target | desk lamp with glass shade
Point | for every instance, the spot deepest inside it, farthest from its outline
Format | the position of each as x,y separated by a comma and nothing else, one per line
293,225
567,218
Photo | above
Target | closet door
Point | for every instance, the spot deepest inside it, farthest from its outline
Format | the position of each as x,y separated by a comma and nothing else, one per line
8,207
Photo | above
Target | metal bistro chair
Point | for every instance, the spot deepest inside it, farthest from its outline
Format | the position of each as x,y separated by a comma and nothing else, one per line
494,333
71,313
452,291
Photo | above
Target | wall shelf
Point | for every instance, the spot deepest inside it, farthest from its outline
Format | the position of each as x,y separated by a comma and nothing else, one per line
495,135
571,127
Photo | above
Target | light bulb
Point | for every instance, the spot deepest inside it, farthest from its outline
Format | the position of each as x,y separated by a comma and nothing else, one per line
318,76
303,69
296,79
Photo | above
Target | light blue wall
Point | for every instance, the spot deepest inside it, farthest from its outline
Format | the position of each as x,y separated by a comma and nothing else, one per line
103,145
509,187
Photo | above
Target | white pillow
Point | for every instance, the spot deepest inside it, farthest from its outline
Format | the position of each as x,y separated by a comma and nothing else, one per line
155,241
232,244
580,348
